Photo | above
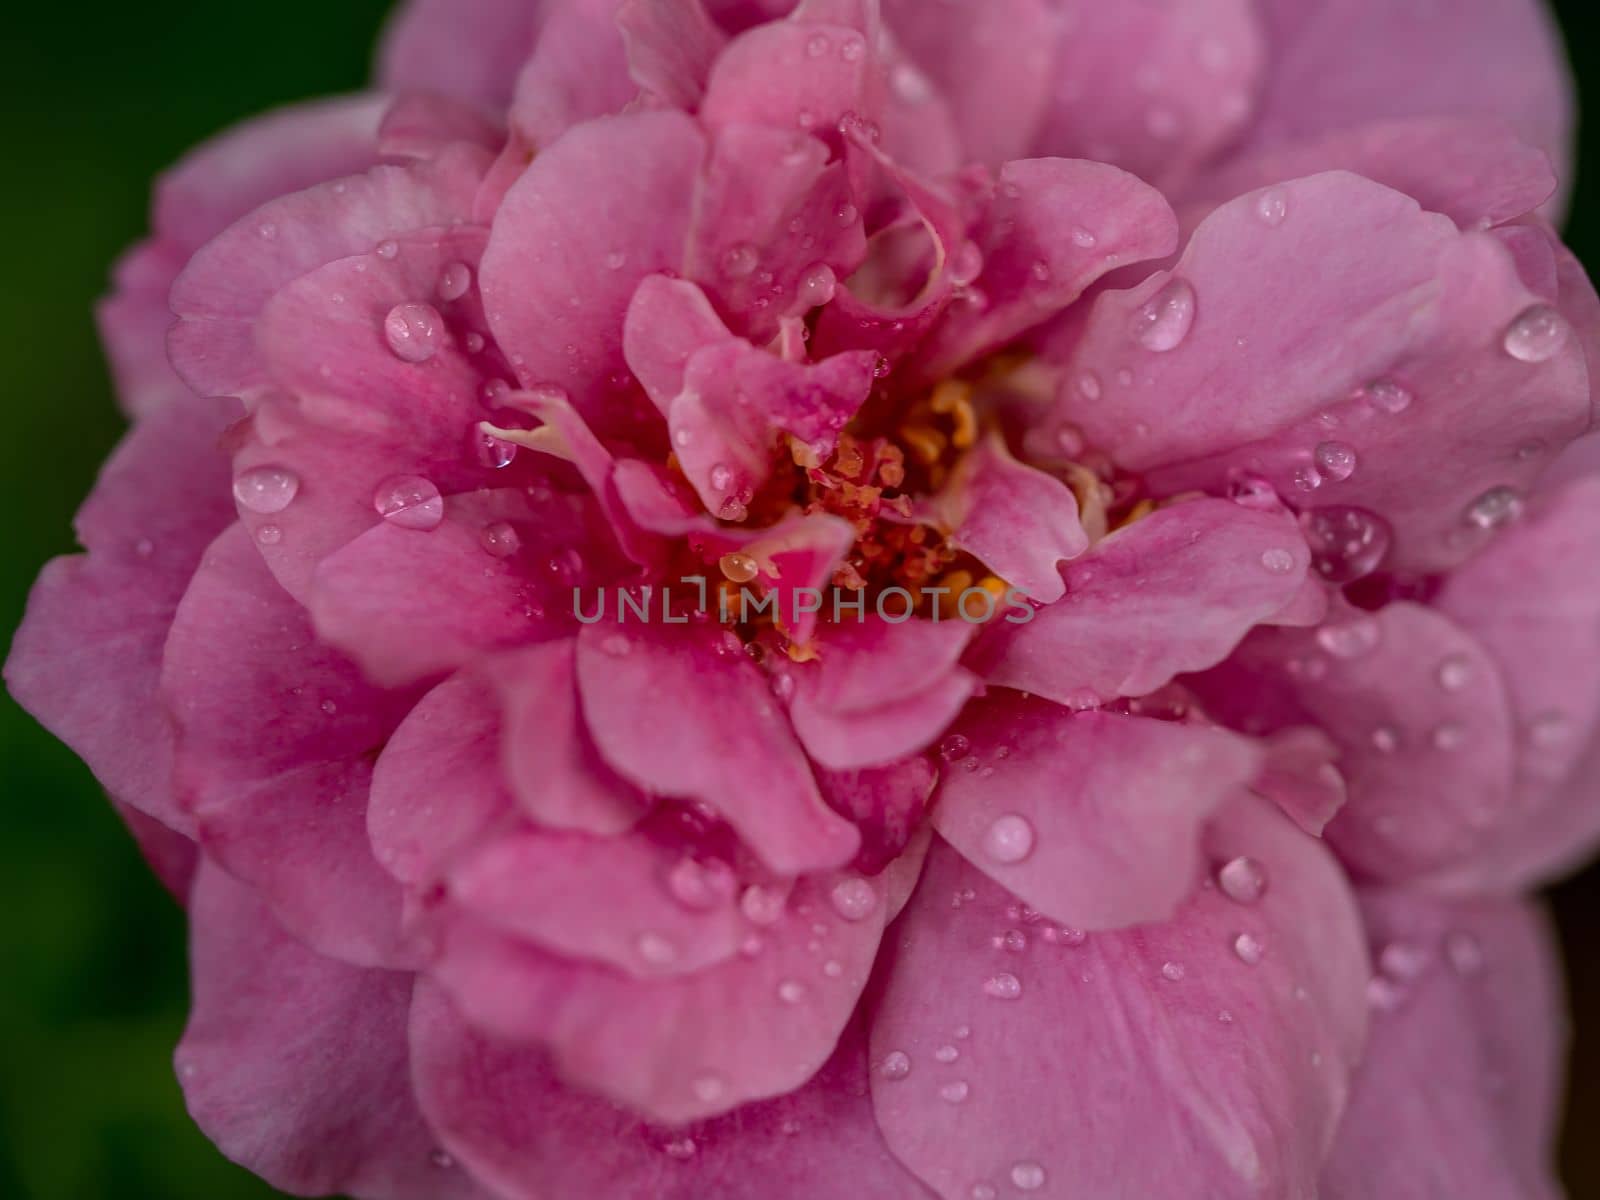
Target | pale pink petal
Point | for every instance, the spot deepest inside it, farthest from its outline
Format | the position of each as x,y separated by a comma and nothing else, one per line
276,734
1302,777
671,45
886,804
792,75
505,1113
311,1092
578,70
1093,819
470,49
1194,1071
680,713
1438,321
1173,592
690,1047
1460,1088
593,215
88,654
422,124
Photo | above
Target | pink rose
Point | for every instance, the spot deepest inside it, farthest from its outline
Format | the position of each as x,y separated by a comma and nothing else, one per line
957,599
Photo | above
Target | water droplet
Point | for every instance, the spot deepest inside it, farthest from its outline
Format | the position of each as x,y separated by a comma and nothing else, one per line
1242,879
853,898
1248,948
494,452
1014,940
1278,561
1346,543
1352,637
409,501
1165,320
791,991
1336,460
1385,740
500,539
269,535
1464,951
1496,507
1402,960
818,45
1003,986
954,1092
1387,396
1537,335
739,260
1009,839
966,265
1027,1176
895,1065
708,1088
1307,478
1454,673
852,49
761,905
389,249
817,286
1449,736
738,567
413,331
1089,385
616,260
1084,238
1252,491
656,950
680,1148
954,748
454,281
1172,971
1272,206
983,1191
946,1054
266,489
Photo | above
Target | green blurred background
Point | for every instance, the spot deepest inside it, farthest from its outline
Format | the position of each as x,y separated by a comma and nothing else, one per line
98,96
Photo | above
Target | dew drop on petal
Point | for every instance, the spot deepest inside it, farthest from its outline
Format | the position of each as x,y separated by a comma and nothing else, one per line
1027,1176
656,950
389,249
1172,971
1464,951
680,1148
817,286
1272,206
761,905
1009,839
1346,543
946,1054
494,452
1387,396
269,535
1003,986
1496,507
1352,637
1248,948
1454,673
1242,879
954,1092
895,1065
1336,460
954,747
413,331
1537,335
266,489
454,281
1164,321
1278,560
409,501
1252,491
791,991
853,898
739,260
500,539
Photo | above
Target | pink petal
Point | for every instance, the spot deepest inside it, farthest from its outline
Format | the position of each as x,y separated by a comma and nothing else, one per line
671,45
1459,1092
1421,719
1300,775
1532,600
773,227
1153,88
1477,173
1346,62
1173,592
1055,226
275,739
470,49
668,320
1194,1072
879,691
437,785
422,124
689,1047
1094,819
172,856
578,71
795,559
558,776
220,293
1406,301
590,218
87,657
311,1092
604,900
679,713
885,803
791,75
505,1113
366,597
1018,521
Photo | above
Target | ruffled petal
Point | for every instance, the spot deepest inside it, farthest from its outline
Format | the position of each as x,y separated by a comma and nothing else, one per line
678,712
505,1113
1460,1088
88,655
1093,819
469,49
325,1066
275,739
1414,340
1173,592
578,71
671,45
690,1047
1202,1063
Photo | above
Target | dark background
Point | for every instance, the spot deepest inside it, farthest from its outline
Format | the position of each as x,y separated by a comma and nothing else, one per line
97,96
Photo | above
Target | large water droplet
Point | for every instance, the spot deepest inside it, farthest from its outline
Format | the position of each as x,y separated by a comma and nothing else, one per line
454,281
1242,879
409,501
761,905
1164,322
895,1065
1027,1176
413,331
1249,949
1278,561
954,1092
1003,986
1172,971
1346,543
266,489
739,260
1336,460
1350,637
1537,335
1009,839
817,286
853,898
1387,396
1272,206
1496,507
500,539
